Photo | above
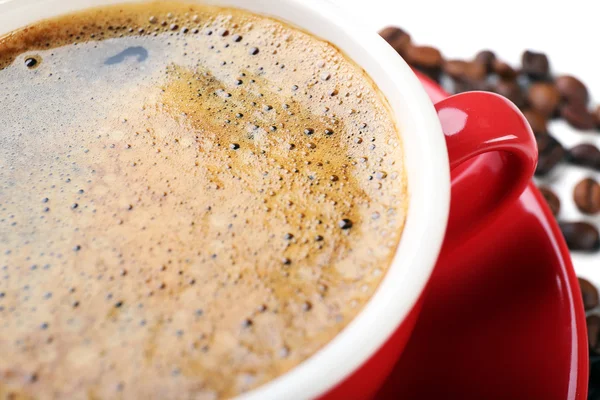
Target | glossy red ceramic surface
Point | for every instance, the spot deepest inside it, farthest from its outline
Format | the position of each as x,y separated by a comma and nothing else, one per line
475,123
502,317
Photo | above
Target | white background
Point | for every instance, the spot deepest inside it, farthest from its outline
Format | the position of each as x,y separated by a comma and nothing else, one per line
565,30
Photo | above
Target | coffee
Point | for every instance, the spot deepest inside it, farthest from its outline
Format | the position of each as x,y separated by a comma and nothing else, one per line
193,201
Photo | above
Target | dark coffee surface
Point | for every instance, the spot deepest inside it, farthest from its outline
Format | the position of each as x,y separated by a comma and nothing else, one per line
193,200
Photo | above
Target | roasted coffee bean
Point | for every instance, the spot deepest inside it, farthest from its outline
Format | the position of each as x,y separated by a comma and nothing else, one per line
535,65
593,331
455,68
466,86
578,116
551,152
586,155
594,390
538,122
544,98
465,71
587,196
426,59
589,294
504,70
580,236
486,58
475,72
425,56
572,89
460,87
597,116
551,199
511,90
397,38
594,379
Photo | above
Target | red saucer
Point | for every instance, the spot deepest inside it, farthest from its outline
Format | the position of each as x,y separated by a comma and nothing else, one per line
502,315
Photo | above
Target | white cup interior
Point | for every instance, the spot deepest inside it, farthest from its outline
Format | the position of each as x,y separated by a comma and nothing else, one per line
426,163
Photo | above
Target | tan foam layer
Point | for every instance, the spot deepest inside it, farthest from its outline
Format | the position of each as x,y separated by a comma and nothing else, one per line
193,200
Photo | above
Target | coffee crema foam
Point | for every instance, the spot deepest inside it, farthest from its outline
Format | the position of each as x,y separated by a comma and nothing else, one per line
193,200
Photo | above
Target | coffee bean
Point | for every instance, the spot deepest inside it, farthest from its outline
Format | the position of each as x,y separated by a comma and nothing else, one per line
486,58
572,89
587,196
397,38
510,89
426,59
425,56
551,199
586,155
593,331
472,71
535,65
467,85
544,98
537,121
465,71
551,152
589,294
455,68
504,70
594,378
578,116
580,236
597,116
594,390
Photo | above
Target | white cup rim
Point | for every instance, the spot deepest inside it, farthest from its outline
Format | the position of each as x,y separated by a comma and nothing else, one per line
426,162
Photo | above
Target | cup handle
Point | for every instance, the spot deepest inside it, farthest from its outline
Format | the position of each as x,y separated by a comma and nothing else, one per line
480,122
